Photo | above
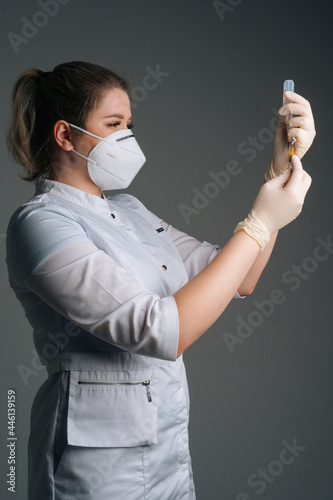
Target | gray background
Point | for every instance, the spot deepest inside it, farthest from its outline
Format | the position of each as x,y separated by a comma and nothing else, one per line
224,78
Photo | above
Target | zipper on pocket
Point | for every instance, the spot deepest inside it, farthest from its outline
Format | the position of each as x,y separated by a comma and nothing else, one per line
146,383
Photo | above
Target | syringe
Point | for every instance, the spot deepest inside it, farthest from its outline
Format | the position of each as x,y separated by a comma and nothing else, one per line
289,85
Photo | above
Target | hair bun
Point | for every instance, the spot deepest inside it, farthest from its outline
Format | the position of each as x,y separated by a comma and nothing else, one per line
42,77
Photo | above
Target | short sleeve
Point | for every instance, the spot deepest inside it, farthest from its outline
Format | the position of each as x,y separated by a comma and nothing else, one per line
50,254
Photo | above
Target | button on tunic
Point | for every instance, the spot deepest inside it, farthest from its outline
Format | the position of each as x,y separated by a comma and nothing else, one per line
96,278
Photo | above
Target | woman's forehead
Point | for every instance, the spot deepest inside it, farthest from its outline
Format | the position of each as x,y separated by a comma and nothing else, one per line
114,101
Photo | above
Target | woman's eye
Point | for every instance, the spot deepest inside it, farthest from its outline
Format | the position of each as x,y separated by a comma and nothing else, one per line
115,124
130,125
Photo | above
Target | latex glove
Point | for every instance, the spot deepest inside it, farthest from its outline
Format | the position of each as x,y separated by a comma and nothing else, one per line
300,127
278,202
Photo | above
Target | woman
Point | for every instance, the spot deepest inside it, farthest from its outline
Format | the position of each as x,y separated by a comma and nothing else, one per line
114,294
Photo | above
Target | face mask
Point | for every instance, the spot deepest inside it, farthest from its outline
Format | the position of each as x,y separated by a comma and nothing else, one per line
114,162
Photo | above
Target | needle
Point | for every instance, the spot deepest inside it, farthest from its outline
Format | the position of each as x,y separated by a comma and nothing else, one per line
292,148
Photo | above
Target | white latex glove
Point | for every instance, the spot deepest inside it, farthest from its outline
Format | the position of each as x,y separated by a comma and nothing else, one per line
300,127
278,202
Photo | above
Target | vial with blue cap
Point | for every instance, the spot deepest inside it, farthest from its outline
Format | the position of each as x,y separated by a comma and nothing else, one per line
289,85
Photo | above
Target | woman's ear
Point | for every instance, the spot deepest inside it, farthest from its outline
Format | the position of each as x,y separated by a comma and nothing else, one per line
63,135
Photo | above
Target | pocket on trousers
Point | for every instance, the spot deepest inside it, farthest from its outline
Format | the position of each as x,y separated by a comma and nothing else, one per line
112,408
60,439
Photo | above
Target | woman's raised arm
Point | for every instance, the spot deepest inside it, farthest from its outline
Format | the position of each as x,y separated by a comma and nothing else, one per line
203,299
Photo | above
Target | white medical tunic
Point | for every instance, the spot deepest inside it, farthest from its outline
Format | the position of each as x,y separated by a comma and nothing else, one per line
96,278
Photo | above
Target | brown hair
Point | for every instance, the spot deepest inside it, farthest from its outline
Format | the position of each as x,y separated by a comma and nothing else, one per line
69,92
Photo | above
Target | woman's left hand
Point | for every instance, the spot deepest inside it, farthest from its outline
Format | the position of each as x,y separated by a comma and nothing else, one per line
300,127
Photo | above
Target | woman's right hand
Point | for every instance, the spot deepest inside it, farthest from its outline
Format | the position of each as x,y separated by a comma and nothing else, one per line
280,200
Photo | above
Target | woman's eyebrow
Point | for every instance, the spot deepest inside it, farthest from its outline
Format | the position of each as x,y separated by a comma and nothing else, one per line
116,116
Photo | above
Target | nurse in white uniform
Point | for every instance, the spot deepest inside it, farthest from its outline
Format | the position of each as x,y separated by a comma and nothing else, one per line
114,294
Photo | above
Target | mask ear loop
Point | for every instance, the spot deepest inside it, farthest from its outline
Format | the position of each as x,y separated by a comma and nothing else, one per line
85,157
89,133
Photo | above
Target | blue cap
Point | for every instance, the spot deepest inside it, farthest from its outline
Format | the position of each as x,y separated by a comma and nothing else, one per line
288,85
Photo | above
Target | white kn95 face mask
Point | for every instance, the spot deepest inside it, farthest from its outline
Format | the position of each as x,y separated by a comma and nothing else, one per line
115,160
